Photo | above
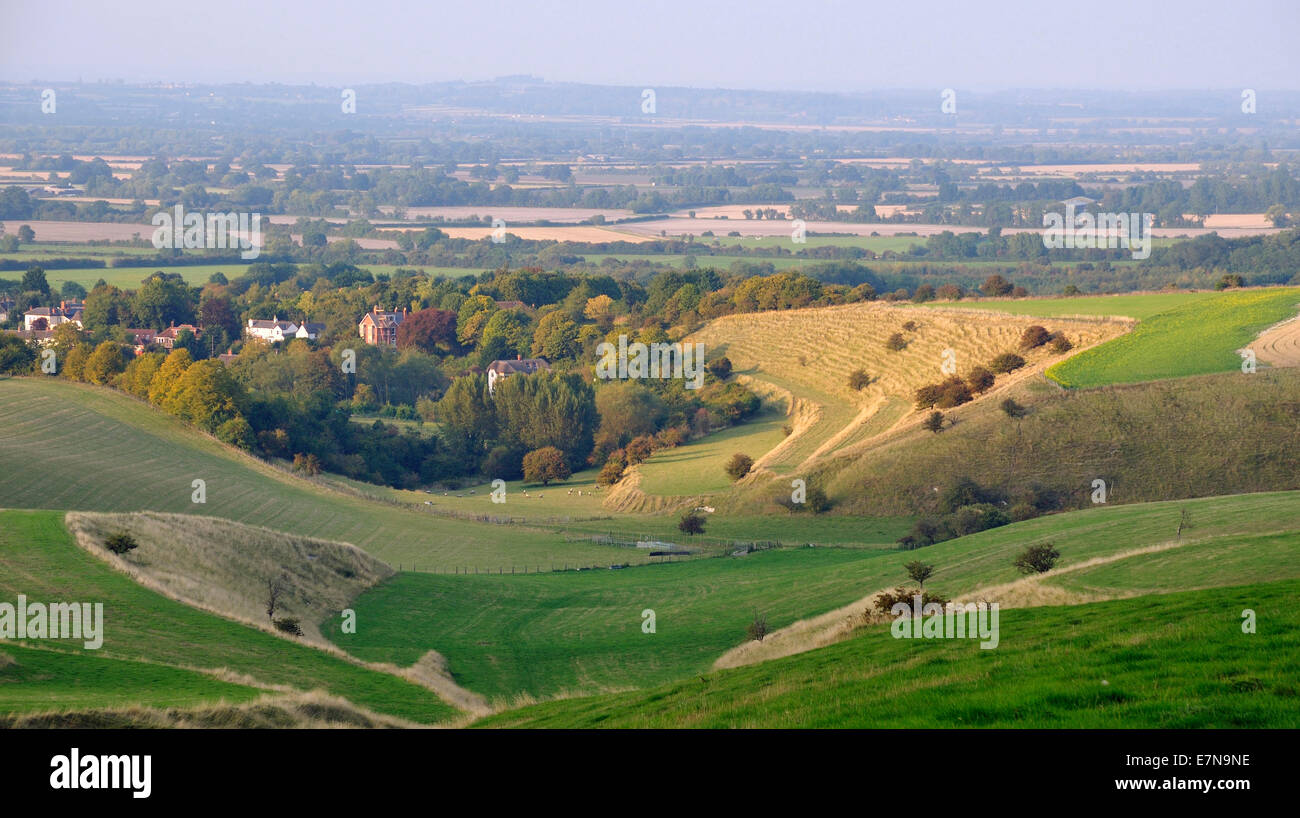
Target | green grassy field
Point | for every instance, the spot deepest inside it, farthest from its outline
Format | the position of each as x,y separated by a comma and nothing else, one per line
38,558
35,680
1193,339
1174,661
699,467
103,451
550,633
547,633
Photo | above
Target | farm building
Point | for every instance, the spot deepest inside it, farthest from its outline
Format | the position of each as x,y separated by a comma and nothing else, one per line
500,370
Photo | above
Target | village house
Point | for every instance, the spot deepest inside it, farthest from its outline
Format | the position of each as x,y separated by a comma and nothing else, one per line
43,318
6,307
139,338
167,338
271,331
309,330
500,370
378,327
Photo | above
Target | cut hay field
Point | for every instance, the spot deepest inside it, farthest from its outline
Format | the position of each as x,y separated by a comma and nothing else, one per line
1194,339
552,633
1135,305
1174,661
810,353
40,559
103,451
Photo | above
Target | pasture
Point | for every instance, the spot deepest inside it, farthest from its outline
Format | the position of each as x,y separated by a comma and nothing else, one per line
1174,661
1197,338
545,634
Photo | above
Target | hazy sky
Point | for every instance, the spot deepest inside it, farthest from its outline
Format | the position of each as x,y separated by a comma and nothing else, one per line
820,44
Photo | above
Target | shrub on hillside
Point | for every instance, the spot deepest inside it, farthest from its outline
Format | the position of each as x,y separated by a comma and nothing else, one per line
934,422
886,600
1060,344
120,543
896,342
976,518
289,625
815,500
949,393
1037,559
672,437
720,368
859,380
980,380
1006,362
965,492
308,464
1013,409
739,465
639,449
758,628
1034,336
544,465
610,473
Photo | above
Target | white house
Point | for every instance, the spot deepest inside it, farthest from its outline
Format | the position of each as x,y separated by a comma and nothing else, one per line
43,318
272,331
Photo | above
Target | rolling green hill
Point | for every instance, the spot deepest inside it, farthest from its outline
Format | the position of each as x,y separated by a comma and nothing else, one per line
1176,661
552,633
100,450
157,646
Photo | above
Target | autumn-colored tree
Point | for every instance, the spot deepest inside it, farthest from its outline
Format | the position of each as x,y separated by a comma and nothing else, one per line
544,465
431,331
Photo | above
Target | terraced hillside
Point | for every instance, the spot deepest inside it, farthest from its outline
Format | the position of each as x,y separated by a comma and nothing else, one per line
810,354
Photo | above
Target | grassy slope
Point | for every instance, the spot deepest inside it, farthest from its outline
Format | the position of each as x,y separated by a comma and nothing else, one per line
1194,339
1174,661
544,634
699,467
102,451
38,558
1212,434
37,680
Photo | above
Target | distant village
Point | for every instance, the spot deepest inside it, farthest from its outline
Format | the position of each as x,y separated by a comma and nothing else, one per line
376,328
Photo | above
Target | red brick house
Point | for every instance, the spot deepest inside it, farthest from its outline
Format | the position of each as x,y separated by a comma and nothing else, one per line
378,327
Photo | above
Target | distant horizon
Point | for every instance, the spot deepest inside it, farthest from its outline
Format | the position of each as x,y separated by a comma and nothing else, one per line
821,46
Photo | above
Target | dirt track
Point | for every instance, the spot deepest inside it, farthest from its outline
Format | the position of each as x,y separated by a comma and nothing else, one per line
1279,346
